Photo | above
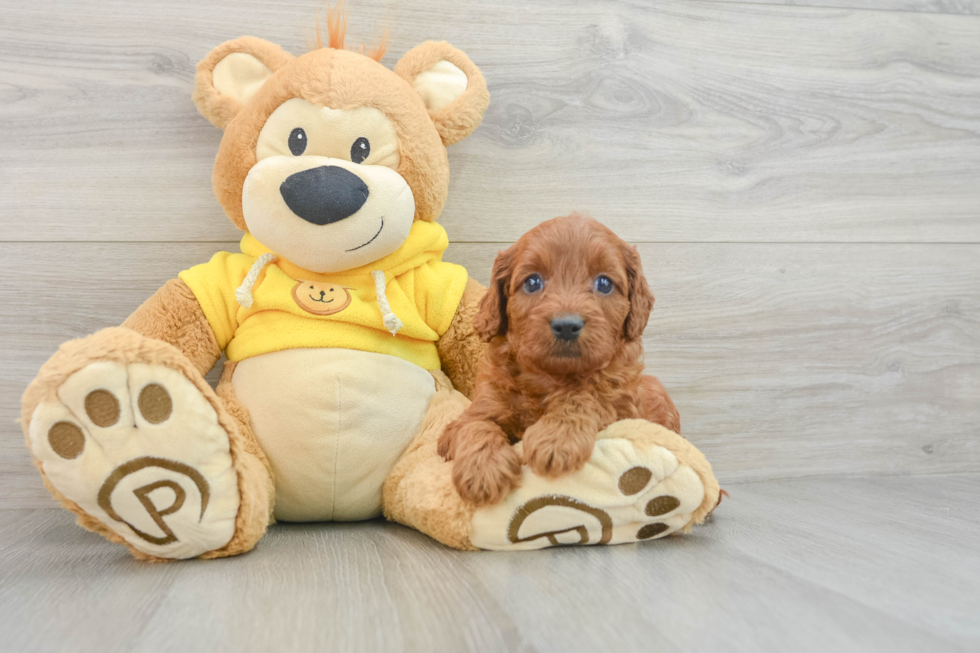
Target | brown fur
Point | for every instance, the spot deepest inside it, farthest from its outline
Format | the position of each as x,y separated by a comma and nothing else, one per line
220,109
461,348
459,118
342,79
258,501
555,396
418,492
173,315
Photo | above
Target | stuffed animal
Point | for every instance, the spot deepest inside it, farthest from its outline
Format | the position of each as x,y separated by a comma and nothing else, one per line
349,340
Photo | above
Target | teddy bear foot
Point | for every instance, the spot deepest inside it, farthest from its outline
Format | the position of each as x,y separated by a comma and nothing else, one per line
136,449
642,482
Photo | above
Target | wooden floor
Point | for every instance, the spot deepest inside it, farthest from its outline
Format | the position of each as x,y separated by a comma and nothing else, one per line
802,179
869,564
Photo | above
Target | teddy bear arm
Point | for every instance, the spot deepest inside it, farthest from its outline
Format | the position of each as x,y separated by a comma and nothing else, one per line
174,316
460,347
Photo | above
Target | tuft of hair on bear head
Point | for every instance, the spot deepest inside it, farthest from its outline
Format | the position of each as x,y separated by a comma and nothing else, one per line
335,25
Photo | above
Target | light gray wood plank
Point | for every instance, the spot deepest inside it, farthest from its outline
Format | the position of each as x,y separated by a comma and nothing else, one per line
843,538
966,7
785,360
65,590
680,121
802,565
860,537
374,587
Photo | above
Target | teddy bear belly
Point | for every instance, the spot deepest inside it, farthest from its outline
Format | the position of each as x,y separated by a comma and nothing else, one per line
333,423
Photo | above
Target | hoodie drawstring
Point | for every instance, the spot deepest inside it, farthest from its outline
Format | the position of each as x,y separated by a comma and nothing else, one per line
243,294
388,317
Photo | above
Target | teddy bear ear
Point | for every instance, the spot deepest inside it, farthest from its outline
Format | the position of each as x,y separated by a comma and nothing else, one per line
232,73
451,86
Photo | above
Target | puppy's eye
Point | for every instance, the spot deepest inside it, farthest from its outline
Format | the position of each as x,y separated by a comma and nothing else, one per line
297,141
360,150
604,284
533,284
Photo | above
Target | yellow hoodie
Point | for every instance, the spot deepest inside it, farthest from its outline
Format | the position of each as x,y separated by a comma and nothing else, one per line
289,307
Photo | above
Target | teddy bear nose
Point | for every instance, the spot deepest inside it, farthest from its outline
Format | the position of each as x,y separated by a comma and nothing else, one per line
324,195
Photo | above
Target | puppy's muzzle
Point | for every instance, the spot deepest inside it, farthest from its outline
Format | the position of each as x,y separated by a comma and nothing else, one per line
567,327
324,195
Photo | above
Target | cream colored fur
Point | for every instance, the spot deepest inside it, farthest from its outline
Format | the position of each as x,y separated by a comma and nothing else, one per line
191,434
442,83
354,413
239,76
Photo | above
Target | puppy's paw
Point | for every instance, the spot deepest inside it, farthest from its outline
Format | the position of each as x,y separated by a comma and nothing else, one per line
553,448
485,474
446,447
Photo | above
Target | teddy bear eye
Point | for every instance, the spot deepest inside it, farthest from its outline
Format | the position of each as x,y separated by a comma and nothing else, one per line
604,284
533,283
360,150
297,141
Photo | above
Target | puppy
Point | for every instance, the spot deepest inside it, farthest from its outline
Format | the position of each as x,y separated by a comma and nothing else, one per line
564,315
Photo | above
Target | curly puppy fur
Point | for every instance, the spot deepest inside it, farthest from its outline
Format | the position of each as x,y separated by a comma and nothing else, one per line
540,385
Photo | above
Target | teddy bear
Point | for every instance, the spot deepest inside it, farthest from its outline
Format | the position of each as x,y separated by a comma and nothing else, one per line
350,343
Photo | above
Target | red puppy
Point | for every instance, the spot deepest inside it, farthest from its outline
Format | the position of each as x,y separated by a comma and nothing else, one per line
564,315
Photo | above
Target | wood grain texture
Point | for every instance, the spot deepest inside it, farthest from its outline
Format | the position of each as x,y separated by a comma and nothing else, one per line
803,185
967,7
805,565
785,360
674,121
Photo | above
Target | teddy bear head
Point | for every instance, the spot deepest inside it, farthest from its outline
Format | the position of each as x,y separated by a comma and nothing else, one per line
328,158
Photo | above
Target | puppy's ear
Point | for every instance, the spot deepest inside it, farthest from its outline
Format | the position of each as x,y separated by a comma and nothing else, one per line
641,299
491,316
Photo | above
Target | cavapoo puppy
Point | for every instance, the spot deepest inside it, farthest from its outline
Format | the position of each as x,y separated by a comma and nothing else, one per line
564,315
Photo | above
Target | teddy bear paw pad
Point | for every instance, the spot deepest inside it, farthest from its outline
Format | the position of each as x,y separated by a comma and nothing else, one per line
139,448
629,491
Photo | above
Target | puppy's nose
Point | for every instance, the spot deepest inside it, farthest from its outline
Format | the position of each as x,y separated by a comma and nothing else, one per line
324,195
567,327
